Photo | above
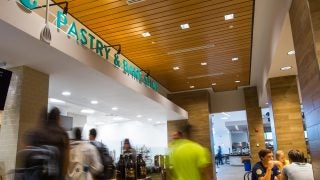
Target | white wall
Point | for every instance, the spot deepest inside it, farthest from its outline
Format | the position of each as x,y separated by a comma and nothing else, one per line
139,133
221,136
224,141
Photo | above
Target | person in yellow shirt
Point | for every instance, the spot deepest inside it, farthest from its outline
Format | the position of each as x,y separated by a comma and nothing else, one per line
189,160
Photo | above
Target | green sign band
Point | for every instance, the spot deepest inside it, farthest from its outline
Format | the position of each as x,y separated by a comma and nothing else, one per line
127,67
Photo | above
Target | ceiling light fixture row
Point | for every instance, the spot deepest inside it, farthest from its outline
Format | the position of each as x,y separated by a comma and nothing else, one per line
183,26
187,26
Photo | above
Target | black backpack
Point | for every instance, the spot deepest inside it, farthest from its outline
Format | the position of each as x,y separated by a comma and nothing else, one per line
38,163
106,160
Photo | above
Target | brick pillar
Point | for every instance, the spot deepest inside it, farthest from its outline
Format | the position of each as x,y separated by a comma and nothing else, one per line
27,95
255,123
305,27
287,117
196,103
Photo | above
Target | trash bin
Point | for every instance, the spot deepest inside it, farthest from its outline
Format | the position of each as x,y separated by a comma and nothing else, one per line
247,164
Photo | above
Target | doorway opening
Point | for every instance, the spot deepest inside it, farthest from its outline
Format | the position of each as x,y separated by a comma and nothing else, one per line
230,143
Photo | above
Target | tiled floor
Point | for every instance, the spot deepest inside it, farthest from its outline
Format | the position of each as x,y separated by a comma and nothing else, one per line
227,172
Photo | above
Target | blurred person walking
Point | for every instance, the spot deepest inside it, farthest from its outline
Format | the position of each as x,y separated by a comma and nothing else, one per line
84,159
49,140
106,159
188,160
298,169
219,156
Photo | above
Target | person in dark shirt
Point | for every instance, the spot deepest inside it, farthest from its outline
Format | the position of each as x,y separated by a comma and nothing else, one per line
266,168
128,150
51,133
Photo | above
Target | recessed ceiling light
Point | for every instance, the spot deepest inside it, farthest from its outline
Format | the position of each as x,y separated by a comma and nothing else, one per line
226,114
203,63
149,119
118,118
292,52
87,111
139,116
191,87
184,26
146,34
228,17
114,108
236,81
66,93
176,68
52,100
286,68
235,59
267,103
94,102
213,84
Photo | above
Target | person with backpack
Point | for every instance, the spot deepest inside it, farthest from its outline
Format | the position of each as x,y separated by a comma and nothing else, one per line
46,154
84,162
106,159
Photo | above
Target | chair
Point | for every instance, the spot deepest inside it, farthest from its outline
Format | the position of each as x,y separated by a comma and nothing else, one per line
226,159
247,176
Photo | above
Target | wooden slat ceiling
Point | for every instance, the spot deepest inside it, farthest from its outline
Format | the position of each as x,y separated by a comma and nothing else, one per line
168,46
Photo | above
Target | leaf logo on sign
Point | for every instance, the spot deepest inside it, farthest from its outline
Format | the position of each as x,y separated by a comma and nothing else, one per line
28,4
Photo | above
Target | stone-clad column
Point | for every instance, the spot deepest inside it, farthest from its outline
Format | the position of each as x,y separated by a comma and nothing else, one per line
305,25
196,103
27,96
255,123
287,117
